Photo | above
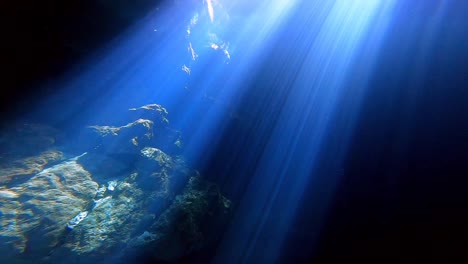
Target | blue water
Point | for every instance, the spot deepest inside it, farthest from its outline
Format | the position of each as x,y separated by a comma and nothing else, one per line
284,132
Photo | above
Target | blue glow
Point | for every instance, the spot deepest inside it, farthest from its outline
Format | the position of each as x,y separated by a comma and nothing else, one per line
171,53
202,59
313,99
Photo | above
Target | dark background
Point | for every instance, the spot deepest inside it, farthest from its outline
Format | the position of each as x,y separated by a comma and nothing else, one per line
44,39
402,195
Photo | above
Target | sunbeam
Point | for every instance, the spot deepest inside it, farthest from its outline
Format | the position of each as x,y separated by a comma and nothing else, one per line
216,131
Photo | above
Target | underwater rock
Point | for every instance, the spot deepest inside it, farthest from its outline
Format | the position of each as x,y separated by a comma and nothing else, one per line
179,230
127,139
28,166
121,143
111,185
169,173
101,201
36,214
153,158
127,194
109,223
166,138
158,155
101,192
77,220
148,130
145,213
8,194
156,112
115,131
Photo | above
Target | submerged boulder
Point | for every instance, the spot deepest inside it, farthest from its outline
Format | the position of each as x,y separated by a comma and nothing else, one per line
124,139
126,196
128,218
35,213
150,129
179,230
110,221
154,112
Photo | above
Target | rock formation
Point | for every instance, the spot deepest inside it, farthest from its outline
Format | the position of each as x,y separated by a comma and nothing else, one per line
125,198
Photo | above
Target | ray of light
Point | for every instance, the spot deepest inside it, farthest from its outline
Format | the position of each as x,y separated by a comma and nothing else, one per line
184,58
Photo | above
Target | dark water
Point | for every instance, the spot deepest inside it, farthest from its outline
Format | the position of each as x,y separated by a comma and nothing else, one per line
274,132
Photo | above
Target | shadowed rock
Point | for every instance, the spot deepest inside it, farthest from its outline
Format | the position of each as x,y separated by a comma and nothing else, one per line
21,140
179,230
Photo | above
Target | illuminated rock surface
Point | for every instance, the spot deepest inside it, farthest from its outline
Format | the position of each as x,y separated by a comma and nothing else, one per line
121,200
34,214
